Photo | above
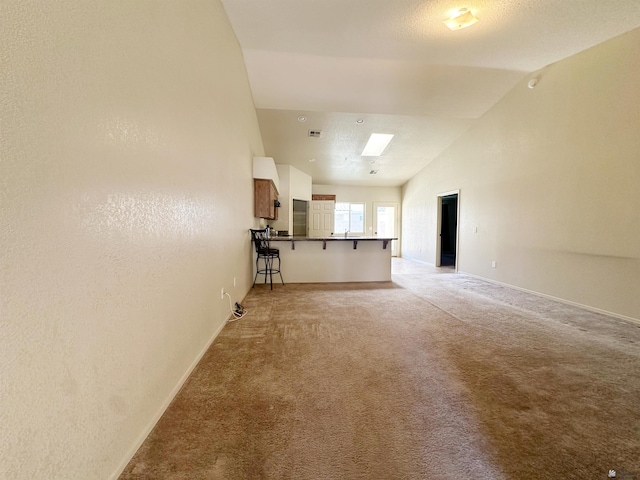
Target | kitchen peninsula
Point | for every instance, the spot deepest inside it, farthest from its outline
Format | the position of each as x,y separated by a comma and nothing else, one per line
334,259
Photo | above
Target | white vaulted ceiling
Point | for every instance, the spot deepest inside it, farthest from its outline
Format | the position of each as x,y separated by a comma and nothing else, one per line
394,64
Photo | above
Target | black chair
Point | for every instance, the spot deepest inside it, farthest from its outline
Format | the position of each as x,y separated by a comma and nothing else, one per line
267,254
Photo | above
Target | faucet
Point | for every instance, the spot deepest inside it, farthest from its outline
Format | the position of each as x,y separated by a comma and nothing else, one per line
345,233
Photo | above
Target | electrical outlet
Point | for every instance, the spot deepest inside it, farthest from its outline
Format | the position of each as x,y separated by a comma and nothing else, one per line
494,264
222,294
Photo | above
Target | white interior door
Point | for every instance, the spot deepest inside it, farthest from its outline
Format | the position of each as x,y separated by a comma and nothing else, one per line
386,223
321,218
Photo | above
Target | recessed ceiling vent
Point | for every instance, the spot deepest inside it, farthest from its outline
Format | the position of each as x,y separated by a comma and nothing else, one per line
315,133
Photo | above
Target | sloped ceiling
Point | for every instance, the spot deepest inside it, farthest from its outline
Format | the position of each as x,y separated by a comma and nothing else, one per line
397,67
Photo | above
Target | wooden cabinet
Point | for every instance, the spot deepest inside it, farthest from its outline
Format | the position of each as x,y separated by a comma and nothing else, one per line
265,197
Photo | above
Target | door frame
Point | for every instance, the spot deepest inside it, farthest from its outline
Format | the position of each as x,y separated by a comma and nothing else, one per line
396,226
439,227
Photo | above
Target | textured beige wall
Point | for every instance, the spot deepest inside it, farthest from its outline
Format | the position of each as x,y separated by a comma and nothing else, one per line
285,217
294,184
301,185
127,136
551,179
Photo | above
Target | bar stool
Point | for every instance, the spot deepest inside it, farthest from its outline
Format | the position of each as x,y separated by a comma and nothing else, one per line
267,254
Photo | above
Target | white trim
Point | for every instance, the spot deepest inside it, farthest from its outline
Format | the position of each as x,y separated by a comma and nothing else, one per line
539,294
417,260
446,194
364,219
163,407
557,299
396,225
439,228
438,260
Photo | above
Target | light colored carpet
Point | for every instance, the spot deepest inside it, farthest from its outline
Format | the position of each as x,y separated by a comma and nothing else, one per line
434,375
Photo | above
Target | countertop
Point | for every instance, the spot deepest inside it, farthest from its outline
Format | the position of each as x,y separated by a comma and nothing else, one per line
290,238
338,238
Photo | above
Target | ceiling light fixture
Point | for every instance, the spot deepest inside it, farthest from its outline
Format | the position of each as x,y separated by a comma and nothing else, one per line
461,19
302,118
376,144
360,121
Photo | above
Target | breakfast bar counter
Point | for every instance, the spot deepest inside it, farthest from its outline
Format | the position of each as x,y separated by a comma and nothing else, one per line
334,259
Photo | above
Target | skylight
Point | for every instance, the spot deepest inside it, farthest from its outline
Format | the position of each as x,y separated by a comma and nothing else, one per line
376,144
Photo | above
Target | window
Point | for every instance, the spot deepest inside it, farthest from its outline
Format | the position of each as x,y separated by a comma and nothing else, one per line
349,217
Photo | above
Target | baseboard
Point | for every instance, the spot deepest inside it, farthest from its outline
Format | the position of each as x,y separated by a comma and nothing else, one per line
455,267
154,420
557,299
407,257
